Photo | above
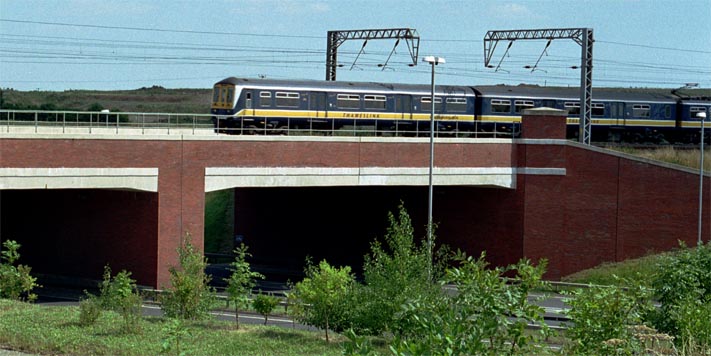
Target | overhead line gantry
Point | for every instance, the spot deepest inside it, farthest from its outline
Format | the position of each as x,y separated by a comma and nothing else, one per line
581,36
336,38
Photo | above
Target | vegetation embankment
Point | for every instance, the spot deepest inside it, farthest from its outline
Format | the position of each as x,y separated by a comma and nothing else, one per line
680,156
153,99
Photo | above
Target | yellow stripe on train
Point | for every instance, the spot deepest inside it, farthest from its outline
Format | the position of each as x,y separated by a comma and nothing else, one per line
350,115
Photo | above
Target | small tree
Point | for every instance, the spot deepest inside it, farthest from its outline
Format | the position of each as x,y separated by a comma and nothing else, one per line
321,292
190,296
15,281
241,281
264,304
120,295
394,272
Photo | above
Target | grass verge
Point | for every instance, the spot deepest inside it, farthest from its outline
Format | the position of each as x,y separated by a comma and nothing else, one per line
640,269
55,330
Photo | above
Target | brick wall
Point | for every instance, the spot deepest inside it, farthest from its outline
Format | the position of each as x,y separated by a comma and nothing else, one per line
606,207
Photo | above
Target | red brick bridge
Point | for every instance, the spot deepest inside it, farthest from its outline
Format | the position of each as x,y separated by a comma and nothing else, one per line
79,201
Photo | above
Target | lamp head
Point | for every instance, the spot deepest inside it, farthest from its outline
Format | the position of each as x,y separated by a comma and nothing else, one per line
701,115
433,60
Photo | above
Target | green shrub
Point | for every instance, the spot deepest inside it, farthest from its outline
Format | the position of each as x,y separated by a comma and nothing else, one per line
15,281
89,310
683,287
477,320
264,304
693,321
120,295
320,295
602,318
175,332
189,297
393,273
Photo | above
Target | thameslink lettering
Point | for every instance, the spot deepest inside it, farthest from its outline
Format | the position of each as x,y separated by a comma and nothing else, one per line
362,115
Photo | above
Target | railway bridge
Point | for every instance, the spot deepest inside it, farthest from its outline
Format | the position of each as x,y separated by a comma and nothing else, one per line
77,201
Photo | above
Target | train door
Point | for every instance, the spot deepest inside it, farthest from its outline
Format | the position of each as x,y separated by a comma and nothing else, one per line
617,114
318,105
403,107
248,103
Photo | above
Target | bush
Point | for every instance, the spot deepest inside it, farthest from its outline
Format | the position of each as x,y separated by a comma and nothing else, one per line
89,310
602,318
319,297
15,281
487,315
190,297
393,274
264,304
175,332
120,295
683,287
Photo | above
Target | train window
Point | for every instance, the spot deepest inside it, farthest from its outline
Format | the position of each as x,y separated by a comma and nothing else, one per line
503,106
573,108
695,110
456,104
520,105
667,112
216,95
597,109
348,101
426,102
230,91
639,110
286,99
374,102
265,98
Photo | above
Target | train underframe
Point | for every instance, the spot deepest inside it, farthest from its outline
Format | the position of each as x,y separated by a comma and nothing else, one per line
421,128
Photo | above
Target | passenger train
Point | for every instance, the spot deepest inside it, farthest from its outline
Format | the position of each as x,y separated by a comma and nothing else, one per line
279,106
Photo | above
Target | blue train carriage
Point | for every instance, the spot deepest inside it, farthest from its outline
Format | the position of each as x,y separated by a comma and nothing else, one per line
273,106
689,121
501,106
616,114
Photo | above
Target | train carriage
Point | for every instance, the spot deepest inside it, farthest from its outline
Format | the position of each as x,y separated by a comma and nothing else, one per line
273,106
256,106
616,114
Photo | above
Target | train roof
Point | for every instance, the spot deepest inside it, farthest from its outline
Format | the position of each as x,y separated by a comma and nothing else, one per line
573,93
346,86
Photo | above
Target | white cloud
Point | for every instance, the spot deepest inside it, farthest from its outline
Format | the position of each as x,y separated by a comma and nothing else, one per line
513,10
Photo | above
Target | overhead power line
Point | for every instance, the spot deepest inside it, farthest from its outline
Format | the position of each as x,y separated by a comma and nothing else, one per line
655,47
156,29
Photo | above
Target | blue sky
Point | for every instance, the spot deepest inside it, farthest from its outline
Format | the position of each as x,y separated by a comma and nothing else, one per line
128,44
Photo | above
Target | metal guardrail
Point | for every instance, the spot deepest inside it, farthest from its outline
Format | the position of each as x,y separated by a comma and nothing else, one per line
90,122
103,122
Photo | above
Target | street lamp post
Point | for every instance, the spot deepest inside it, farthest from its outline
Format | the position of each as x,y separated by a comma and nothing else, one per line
702,118
432,60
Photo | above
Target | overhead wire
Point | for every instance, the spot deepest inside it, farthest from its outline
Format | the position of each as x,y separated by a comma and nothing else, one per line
79,50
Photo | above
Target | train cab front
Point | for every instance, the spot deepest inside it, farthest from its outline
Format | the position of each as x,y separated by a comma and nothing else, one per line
223,107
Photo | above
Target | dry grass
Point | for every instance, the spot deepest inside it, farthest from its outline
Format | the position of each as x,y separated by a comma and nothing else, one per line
683,157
